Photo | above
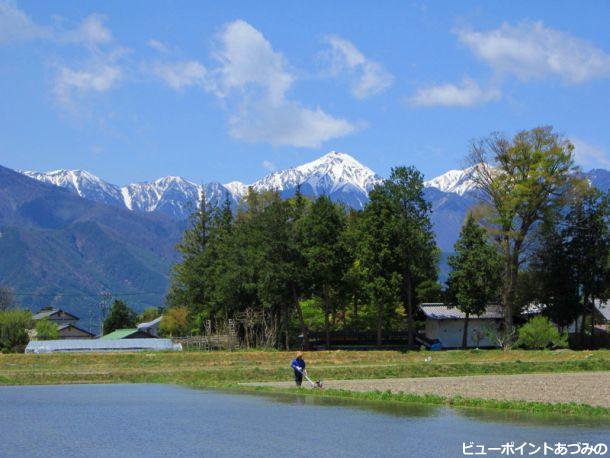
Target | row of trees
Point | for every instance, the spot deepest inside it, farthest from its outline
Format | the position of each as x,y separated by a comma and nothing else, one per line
570,270
539,233
299,260
549,225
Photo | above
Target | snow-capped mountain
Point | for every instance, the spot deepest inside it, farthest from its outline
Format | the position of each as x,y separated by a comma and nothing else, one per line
455,181
172,196
328,174
599,178
335,174
82,183
237,188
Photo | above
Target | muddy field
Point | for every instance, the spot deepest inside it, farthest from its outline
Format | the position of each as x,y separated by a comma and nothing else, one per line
592,388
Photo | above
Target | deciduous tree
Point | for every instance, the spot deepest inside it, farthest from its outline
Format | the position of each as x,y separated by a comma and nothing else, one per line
46,330
519,179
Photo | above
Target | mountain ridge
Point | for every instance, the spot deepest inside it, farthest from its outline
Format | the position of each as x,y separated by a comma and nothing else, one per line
61,249
336,174
67,235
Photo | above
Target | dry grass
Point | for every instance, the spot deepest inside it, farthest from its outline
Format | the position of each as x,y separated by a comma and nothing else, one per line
230,368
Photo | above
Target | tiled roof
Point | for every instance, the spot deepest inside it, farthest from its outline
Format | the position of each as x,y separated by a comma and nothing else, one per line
44,314
439,311
65,326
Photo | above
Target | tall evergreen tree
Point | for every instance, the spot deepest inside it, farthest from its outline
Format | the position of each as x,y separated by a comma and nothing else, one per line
189,285
376,258
474,278
321,230
277,268
120,317
398,246
300,282
588,234
554,277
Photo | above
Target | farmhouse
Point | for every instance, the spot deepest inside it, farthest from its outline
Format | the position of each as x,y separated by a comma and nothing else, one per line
71,331
66,323
446,324
57,316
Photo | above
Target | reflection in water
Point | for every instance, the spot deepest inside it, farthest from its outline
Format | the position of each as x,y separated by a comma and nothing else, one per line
385,408
535,419
163,420
424,410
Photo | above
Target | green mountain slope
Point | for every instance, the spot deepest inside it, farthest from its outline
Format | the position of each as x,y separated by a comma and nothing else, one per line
59,249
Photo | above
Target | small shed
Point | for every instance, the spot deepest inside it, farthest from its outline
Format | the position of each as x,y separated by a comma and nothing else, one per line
446,324
130,333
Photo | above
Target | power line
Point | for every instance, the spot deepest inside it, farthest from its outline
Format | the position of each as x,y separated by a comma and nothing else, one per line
86,294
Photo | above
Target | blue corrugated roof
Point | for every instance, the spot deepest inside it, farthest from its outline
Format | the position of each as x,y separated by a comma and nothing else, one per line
100,345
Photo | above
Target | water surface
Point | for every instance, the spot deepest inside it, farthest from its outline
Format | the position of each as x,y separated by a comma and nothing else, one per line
163,420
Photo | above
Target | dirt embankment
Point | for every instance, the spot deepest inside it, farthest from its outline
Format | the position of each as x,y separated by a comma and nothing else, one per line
592,388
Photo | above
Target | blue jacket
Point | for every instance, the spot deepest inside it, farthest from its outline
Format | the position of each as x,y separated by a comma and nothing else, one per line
297,363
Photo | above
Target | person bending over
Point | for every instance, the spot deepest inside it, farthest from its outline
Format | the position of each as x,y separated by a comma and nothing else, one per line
298,366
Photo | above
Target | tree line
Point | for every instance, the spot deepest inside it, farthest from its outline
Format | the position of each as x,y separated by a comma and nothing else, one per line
538,235
311,264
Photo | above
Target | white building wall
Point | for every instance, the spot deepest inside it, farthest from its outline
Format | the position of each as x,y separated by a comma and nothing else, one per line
431,329
449,332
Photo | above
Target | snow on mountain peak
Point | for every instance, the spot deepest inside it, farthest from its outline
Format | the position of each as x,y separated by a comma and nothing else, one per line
325,175
80,182
455,181
237,188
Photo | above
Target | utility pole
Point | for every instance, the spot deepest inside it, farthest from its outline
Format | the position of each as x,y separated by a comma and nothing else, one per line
103,309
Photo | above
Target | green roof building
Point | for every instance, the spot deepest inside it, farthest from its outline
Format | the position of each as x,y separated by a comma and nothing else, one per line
130,333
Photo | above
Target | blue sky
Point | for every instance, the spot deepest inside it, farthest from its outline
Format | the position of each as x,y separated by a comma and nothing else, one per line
222,91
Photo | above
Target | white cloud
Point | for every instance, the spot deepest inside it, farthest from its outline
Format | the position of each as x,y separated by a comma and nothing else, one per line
467,94
91,32
158,46
589,156
247,58
257,77
287,124
268,165
368,77
101,70
96,77
16,26
531,50
179,75
98,72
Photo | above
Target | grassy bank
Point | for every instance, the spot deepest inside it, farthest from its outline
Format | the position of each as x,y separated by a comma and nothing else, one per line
530,407
228,369
231,368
